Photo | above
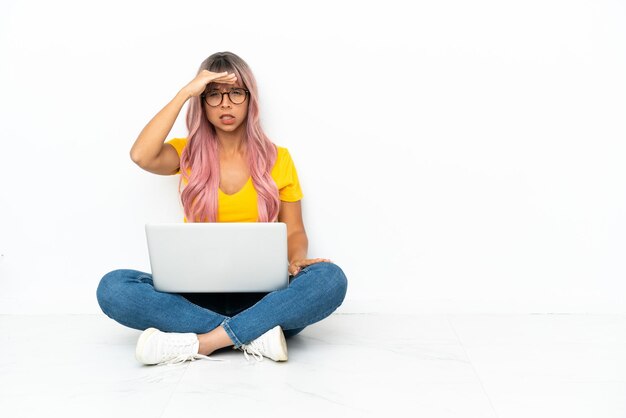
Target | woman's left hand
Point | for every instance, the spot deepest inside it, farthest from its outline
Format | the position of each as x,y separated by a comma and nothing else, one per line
296,265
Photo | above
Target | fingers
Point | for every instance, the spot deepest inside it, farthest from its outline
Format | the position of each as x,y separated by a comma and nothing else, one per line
317,260
306,262
227,79
294,269
231,78
296,266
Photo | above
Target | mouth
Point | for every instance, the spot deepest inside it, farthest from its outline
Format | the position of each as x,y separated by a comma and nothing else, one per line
227,119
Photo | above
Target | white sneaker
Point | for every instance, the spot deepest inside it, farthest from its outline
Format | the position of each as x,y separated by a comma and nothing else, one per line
157,347
272,345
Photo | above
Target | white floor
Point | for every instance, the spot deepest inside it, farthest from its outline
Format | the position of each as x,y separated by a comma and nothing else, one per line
348,365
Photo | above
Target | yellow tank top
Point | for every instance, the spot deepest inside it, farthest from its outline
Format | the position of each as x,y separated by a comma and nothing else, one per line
242,205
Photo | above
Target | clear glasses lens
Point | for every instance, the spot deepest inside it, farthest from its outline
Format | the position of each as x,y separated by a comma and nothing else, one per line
237,96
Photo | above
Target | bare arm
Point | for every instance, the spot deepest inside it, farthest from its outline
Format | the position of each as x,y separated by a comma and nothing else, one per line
297,241
150,141
149,151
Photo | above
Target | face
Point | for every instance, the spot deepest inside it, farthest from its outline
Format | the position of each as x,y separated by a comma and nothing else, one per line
239,112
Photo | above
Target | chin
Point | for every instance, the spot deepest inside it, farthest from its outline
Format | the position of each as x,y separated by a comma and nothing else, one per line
229,128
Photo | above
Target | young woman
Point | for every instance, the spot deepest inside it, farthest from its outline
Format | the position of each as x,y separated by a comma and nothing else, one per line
232,173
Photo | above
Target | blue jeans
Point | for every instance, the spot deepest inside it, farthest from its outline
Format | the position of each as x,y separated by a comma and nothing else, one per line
129,297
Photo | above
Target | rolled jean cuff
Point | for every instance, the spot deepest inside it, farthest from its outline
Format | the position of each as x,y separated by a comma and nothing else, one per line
230,333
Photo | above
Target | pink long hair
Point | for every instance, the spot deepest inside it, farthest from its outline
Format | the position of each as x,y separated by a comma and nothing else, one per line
199,198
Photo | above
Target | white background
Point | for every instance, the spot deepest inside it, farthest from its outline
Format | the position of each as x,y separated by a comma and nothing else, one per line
455,156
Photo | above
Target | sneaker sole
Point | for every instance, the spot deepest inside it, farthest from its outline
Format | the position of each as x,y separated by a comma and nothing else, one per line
141,343
282,356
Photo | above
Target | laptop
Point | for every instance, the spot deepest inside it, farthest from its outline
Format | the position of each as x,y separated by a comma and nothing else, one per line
210,257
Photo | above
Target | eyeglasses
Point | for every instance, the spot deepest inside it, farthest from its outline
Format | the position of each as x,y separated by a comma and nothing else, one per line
214,98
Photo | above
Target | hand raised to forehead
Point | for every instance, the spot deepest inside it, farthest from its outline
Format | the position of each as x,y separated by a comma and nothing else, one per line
196,86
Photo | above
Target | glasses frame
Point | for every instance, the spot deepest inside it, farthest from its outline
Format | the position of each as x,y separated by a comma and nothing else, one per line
204,98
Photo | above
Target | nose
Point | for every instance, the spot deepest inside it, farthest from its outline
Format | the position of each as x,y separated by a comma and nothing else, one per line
225,97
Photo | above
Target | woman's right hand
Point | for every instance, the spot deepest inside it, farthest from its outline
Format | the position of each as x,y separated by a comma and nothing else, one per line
198,84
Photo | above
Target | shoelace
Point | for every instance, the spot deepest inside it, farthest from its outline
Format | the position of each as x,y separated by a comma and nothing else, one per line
181,353
181,358
254,348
